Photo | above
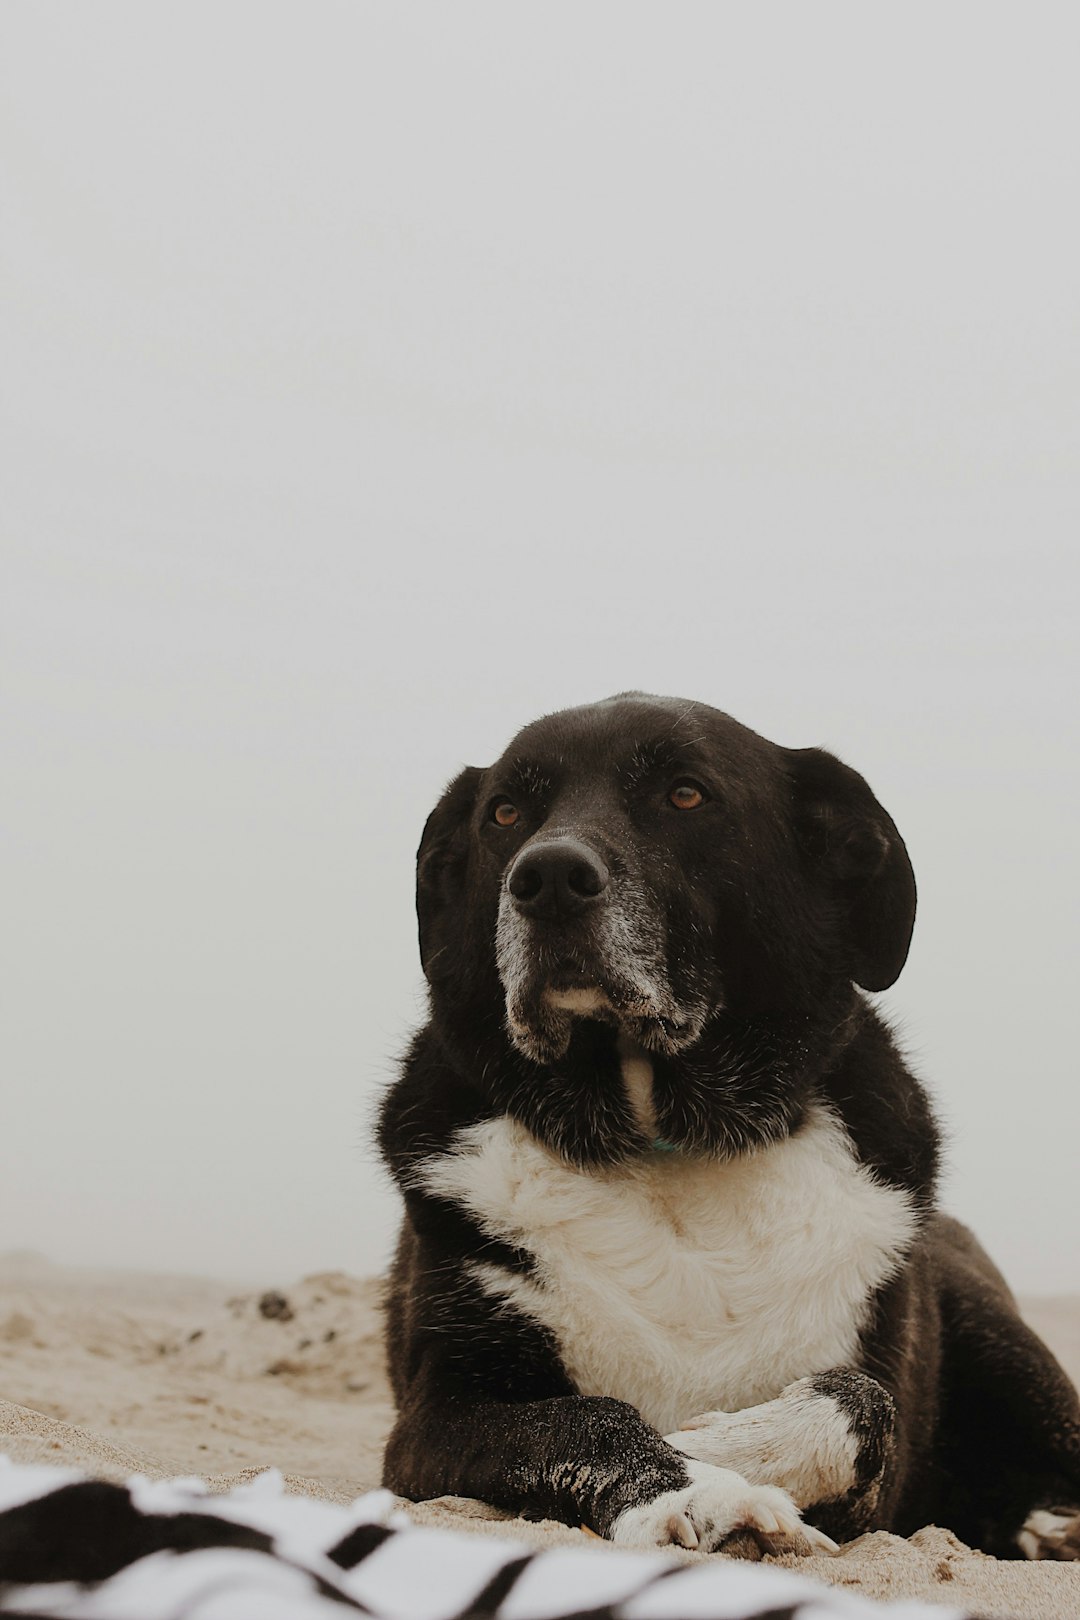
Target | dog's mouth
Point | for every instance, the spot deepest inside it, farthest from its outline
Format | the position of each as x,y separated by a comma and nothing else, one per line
540,1019
577,998
570,979
612,972
578,985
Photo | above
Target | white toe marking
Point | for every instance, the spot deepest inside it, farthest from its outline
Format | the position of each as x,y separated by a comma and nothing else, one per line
1042,1530
715,1504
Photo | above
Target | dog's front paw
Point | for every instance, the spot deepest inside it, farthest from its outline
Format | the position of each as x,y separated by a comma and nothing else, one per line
715,1506
1051,1534
706,1438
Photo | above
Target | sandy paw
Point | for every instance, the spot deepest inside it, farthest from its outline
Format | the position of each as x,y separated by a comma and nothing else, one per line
715,1506
1051,1533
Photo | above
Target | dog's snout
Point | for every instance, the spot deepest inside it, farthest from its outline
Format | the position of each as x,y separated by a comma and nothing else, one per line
560,878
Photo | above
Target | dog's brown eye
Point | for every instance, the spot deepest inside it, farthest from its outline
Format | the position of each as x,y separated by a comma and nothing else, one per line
686,796
505,813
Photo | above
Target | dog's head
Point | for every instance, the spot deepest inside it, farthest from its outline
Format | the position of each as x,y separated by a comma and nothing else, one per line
651,864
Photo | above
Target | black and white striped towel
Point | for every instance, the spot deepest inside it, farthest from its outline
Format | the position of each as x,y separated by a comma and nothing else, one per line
88,1550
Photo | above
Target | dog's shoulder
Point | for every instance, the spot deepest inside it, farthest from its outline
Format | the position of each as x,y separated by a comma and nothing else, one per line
885,1110
425,1107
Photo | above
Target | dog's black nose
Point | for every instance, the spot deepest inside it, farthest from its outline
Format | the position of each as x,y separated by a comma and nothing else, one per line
559,878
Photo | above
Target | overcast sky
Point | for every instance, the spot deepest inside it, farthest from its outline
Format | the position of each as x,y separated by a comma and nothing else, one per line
378,376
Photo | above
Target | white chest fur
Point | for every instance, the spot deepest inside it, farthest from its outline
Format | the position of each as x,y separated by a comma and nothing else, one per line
678,1283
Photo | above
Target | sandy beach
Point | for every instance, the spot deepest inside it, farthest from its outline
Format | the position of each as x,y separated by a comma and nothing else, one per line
122,1372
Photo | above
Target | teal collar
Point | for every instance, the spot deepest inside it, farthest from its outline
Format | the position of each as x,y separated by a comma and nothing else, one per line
660,1146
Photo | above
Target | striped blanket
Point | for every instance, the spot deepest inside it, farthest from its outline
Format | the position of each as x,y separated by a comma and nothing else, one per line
89,1550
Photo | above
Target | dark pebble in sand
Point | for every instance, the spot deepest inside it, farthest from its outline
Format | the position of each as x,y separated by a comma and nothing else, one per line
275,1307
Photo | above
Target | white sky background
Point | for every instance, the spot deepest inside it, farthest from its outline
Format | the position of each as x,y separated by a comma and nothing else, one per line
377,377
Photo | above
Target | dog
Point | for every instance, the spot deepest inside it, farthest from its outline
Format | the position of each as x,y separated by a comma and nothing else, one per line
672,1266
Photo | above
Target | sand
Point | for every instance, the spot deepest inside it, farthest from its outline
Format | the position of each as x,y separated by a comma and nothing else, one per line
122,1372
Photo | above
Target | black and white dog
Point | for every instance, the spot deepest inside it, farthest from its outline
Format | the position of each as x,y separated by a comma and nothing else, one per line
671,1265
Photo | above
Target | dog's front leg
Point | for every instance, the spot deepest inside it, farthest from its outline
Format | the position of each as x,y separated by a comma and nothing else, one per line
585,1460
826,1440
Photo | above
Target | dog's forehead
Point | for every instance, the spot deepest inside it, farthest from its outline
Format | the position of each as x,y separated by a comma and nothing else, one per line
620,730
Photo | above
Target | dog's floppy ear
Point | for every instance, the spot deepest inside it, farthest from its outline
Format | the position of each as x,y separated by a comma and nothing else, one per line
441,858
852,845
